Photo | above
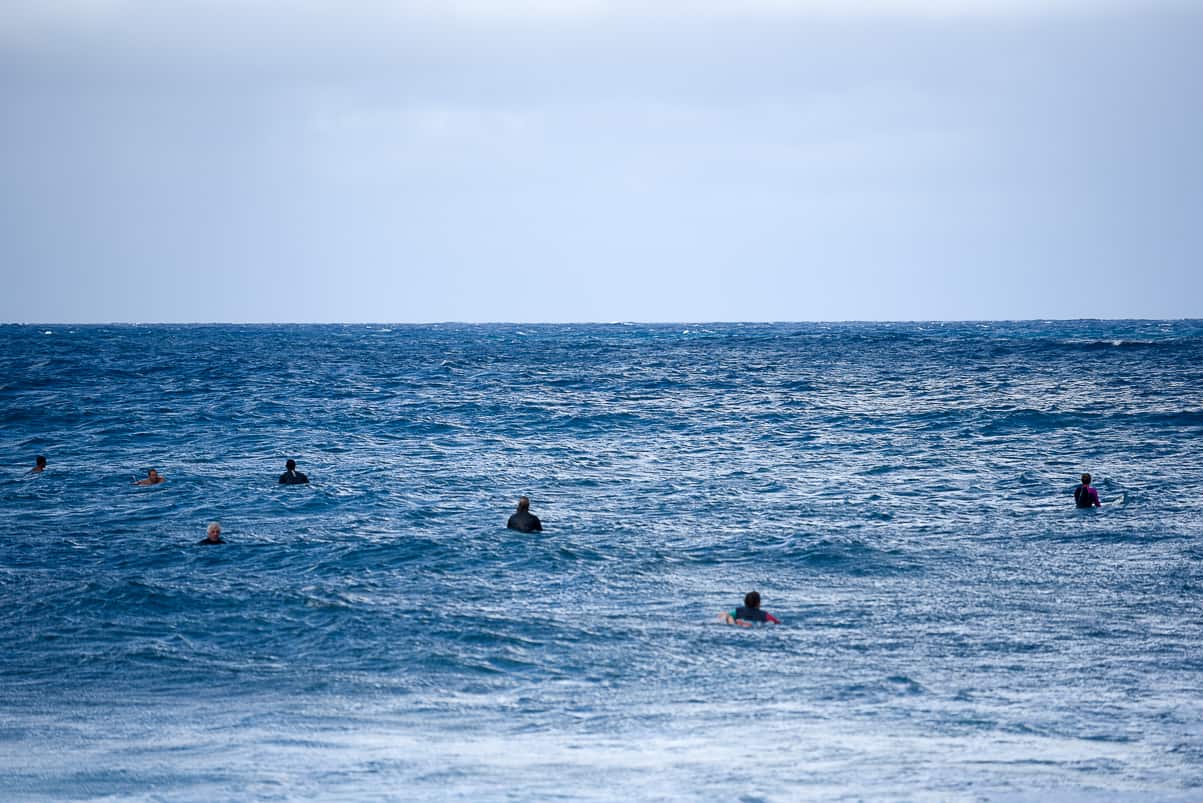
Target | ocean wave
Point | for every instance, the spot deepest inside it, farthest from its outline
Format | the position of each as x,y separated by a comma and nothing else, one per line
899,494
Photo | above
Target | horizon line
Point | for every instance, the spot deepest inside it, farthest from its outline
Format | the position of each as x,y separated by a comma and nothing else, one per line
600,323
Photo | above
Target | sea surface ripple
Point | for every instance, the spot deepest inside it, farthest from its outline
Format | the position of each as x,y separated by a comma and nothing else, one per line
898,493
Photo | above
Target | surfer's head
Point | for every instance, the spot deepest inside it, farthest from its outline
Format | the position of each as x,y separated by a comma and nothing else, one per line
523,504
1085,479
752,599
291,464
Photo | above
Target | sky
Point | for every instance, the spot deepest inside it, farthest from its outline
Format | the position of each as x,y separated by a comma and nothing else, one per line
584,160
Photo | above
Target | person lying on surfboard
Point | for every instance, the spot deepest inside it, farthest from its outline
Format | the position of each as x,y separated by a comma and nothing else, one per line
749,613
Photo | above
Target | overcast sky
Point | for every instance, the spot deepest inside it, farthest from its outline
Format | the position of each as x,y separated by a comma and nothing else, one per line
583,160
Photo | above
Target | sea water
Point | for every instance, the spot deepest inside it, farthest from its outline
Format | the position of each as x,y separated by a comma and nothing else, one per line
899,494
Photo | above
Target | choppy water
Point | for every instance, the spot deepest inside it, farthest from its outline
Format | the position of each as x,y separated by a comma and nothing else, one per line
899,494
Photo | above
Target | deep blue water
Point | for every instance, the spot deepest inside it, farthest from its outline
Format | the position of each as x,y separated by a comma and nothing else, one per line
898,493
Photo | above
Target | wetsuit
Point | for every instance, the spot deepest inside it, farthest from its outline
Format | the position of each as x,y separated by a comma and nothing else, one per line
525,521
293,477
207,541
1086,496
746,614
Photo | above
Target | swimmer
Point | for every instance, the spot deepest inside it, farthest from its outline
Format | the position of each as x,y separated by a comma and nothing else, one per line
212,535
292,476
39,465
152,478
524,520
1085,496
749,612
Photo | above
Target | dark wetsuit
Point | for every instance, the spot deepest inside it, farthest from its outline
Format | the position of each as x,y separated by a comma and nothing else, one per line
525,521
293,477
207,541
746,614
1086,496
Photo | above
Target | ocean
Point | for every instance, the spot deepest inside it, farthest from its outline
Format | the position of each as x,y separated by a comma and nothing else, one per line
899,494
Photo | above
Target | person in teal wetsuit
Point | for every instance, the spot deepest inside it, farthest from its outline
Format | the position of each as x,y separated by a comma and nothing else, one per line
749,613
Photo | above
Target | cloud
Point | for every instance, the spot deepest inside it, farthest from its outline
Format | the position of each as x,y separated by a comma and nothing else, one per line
703,153
29,16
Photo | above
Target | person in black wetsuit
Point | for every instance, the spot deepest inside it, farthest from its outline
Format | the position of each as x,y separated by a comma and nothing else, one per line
292,476
1085,496
524,520
212,535
749,612
39,465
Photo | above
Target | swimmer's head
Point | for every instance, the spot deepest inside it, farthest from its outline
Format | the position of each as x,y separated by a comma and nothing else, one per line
214,529
291,464
752,599
40,461
151,474
1085,479
523,504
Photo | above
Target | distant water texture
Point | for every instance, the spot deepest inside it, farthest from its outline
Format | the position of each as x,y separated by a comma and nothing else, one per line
900,494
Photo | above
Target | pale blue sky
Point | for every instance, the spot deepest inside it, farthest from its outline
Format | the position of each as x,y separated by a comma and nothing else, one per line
592,161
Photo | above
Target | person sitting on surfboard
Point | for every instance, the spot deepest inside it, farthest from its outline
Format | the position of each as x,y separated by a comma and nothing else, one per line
291,476
523,520
748,613
1085,496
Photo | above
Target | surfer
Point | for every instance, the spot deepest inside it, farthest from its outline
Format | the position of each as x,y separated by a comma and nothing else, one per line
1085,496
749,612
524,520
152,478
212,535
291,476
39,464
